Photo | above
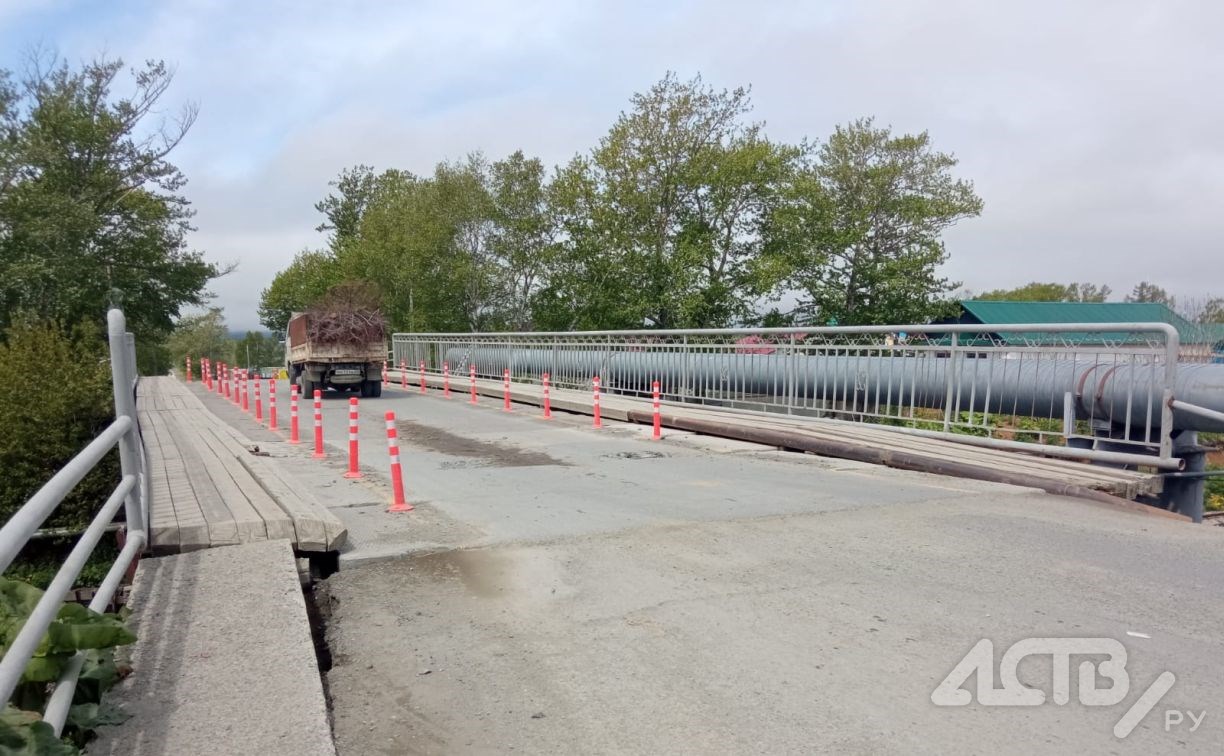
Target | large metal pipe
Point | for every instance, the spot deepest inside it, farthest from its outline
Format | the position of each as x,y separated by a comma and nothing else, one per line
1126,391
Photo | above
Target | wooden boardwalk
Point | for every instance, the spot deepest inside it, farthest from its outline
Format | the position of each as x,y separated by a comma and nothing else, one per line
861,441
206,487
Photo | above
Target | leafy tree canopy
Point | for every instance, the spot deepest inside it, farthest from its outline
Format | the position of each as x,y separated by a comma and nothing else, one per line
91,209
1050,292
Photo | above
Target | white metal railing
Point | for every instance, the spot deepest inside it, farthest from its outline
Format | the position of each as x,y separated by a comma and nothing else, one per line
131,493
1110,383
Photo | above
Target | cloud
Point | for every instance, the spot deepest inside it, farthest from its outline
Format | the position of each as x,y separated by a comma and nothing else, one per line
1087,127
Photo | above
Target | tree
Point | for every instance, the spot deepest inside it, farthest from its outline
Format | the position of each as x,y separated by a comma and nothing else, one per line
297,287
91,210
1150,292
662,222
357,187
256,350
197,336
1212,311
1050,292
524,240
862,225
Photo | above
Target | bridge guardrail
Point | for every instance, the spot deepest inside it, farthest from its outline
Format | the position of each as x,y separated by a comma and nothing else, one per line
131,493
1110,380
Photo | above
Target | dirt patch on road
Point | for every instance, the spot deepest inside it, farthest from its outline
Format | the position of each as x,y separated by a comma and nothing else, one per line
489,453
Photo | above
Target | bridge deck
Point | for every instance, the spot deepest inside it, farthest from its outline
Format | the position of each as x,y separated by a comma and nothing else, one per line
861,441
208,489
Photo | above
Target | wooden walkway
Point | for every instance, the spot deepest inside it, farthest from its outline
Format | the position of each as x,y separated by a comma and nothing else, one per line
206,487
860,441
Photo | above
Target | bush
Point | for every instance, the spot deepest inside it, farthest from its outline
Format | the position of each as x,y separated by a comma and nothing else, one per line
57,397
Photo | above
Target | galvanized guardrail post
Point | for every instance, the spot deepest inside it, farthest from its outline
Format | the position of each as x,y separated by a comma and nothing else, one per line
125,406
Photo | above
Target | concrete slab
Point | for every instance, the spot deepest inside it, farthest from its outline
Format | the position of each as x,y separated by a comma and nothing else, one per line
224,663
821,632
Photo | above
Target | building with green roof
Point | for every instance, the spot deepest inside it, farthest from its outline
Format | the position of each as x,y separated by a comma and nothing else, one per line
1199,341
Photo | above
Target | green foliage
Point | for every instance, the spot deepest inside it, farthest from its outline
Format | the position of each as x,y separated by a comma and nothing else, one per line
75,628
1050,292
665,219
684,215
1212,311
297,287
23,733
199,336
91,211
255,350
1150,292
43,433
42,558
864,223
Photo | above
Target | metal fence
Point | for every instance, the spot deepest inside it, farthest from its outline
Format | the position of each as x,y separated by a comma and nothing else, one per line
131,493
1105,385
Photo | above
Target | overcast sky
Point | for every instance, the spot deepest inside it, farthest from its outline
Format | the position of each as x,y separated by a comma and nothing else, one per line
1093,129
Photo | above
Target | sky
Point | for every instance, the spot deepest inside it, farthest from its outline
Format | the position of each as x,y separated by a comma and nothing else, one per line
1091,128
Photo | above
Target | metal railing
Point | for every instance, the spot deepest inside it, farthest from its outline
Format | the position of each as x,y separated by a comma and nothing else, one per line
1105,386
131,493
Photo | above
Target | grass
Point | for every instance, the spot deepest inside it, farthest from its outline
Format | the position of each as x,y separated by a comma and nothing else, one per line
40,560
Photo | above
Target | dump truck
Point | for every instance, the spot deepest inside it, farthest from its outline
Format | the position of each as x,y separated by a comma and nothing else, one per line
351,361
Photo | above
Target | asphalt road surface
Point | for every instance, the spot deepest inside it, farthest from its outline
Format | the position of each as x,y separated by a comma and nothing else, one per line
564,590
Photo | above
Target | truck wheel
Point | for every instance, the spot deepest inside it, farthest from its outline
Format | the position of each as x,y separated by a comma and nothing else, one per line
371,388
308,387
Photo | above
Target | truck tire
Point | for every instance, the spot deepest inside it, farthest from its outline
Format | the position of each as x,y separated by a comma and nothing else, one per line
371,389
308,386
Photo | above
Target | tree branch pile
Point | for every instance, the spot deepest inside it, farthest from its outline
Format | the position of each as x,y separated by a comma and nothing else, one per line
348,314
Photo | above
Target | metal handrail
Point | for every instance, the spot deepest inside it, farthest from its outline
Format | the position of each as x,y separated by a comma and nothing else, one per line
862,371
131,492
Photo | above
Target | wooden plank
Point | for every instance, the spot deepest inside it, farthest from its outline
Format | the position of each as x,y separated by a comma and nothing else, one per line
163,525
219,523
1092,476
277,523
215,488
318,529
192,530
310,525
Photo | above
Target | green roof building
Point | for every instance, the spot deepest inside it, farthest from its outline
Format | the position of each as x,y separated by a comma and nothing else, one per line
1197,339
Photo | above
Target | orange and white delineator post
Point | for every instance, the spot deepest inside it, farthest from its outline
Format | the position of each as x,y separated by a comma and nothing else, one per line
506,390
422,366
472,373
595,383
272,404
258,401
318,425
353,469
293,414
386,375
547,399
246,392
658,420
399,503
446,380
403,374
189,368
